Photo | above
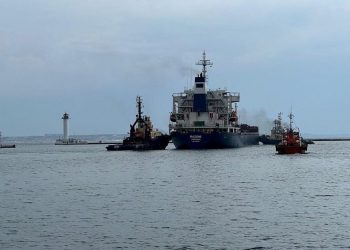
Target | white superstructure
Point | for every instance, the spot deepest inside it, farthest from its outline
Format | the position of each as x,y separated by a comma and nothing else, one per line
202,109
203,118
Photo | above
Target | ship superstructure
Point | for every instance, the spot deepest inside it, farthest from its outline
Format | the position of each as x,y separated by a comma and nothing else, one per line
276,132
204,118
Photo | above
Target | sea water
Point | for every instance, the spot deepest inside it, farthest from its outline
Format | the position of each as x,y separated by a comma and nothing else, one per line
84,197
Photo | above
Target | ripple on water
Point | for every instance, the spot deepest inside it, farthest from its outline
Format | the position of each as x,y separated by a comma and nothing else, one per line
248,198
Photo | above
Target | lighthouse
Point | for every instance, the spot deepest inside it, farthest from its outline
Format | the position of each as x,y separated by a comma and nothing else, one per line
65,119
66,140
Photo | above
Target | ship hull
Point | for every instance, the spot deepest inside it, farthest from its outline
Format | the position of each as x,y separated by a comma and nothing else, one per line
7,146
159,143
283,149
264,139
200,140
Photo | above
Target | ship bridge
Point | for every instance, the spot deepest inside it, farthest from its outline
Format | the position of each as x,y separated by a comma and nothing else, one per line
199,107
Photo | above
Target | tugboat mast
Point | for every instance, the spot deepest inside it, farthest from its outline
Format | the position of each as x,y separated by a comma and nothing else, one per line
139,107
278,121
280,116
204,62
290,120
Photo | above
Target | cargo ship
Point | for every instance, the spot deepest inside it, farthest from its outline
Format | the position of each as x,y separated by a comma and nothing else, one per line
142,135
208,119
292,142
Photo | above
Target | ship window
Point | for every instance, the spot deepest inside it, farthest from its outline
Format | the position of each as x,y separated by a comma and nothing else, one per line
199,123
199,85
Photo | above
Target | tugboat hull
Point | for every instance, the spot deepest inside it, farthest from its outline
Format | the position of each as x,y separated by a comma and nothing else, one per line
8,146
198,140
265,139
158,143
282,149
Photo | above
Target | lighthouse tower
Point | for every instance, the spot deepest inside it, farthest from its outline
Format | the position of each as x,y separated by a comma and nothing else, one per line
65,119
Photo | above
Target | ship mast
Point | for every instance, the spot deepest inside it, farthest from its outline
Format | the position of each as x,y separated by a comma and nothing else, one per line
280,116
290,120
139,107
204,62
278,121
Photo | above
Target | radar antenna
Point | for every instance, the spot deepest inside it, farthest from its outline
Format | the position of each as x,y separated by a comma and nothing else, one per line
204,62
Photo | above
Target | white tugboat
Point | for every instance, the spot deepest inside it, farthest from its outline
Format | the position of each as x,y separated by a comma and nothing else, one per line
276,132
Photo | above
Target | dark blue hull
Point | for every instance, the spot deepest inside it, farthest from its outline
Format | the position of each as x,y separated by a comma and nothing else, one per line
265,139
200,140
158,143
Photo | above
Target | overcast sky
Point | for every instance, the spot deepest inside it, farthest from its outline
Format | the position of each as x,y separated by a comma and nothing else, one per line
91,58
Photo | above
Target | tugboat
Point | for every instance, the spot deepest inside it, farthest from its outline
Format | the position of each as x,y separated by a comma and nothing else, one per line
6,145
142,135
276,133
291,142
206,119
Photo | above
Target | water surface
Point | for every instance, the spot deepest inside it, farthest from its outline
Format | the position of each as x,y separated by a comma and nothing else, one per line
83,197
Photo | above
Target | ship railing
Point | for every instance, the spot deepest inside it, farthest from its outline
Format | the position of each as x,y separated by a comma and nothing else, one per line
228,93
209,129
234,97
186,126
182,94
